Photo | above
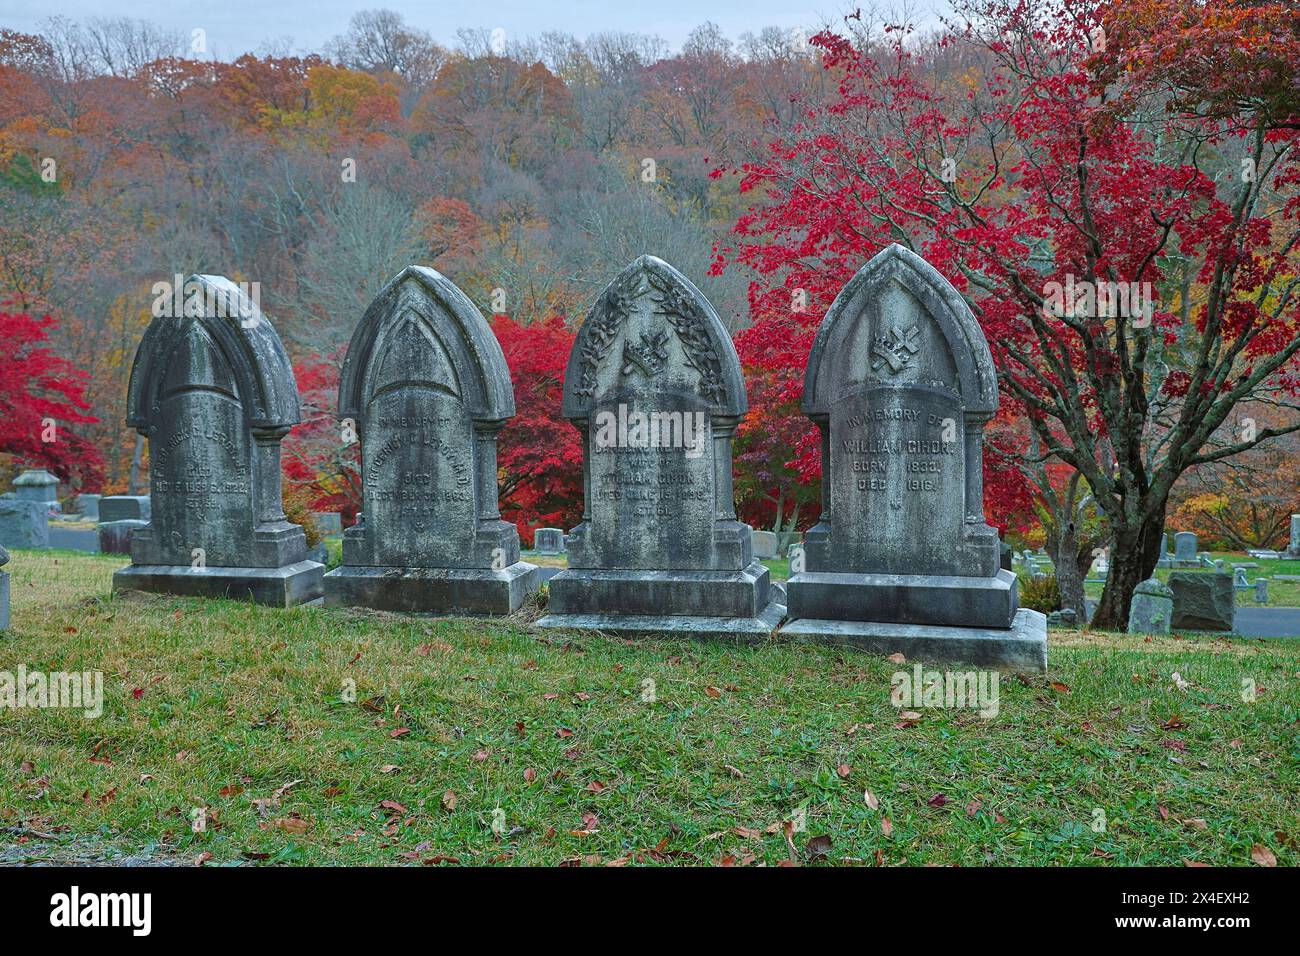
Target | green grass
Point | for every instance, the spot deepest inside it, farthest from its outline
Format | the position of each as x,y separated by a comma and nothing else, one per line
216,705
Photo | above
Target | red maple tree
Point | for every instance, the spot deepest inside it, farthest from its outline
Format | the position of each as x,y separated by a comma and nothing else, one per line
1076,159
41,396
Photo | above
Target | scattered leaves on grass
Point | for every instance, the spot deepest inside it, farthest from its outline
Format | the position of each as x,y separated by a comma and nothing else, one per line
449,800
818,847
1262,855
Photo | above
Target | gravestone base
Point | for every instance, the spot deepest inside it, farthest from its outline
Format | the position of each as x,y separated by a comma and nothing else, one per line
939,600
1021,648
287,586
736,604
467,591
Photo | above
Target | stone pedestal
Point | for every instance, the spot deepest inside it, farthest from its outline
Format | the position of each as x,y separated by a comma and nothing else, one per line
900,384
426,386
37,484
736,605
1022,647
1152,609
214,395
654,387
286,586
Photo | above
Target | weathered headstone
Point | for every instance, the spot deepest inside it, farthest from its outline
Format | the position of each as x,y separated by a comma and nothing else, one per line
1152,609
214,394
426,388
1203,601
24,524
37,484
1185,554
4,589
1261,590
764,544
901,384
548,540
124,508
1293,546
1166,559
115,536
654,386
88,507
329,522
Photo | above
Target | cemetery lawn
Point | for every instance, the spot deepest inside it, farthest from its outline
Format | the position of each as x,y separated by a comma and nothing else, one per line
240,710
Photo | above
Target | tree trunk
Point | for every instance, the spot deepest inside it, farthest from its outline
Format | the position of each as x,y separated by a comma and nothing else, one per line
1135,549
1063,550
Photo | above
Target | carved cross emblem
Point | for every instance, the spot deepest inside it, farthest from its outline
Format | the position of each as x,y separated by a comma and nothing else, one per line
895,349
650,356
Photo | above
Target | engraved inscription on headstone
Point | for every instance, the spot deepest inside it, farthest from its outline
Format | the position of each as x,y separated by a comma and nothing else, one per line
214,394
427,388
900,384
654,386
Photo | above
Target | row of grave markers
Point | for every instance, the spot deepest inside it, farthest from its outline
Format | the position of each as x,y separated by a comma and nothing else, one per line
899,383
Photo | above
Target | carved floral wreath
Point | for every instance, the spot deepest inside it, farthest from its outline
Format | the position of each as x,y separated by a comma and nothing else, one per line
681,310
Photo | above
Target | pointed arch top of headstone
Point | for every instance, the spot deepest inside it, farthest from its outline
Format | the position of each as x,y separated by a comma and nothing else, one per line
232,348
933,340
421,330
650,283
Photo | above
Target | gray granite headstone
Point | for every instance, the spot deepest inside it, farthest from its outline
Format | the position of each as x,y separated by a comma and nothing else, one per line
214,394
88,507
1185,548
900,384
4,589
548,540
1293,544
1261,590
426,387
329,522
115,536
24,524
124,508
1152,608
764,544
1203,601
654,387
37,484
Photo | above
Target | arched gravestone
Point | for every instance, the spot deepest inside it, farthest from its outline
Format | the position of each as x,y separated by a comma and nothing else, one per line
654,386
900,384
427,386
214,394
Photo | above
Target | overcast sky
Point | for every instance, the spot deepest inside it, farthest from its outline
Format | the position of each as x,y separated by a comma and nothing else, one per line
238,26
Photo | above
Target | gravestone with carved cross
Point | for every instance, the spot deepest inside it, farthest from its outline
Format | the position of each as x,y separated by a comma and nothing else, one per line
214,394
654,386
900,384
426,389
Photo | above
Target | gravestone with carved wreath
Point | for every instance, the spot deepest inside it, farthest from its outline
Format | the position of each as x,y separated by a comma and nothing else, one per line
654,386
900,384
